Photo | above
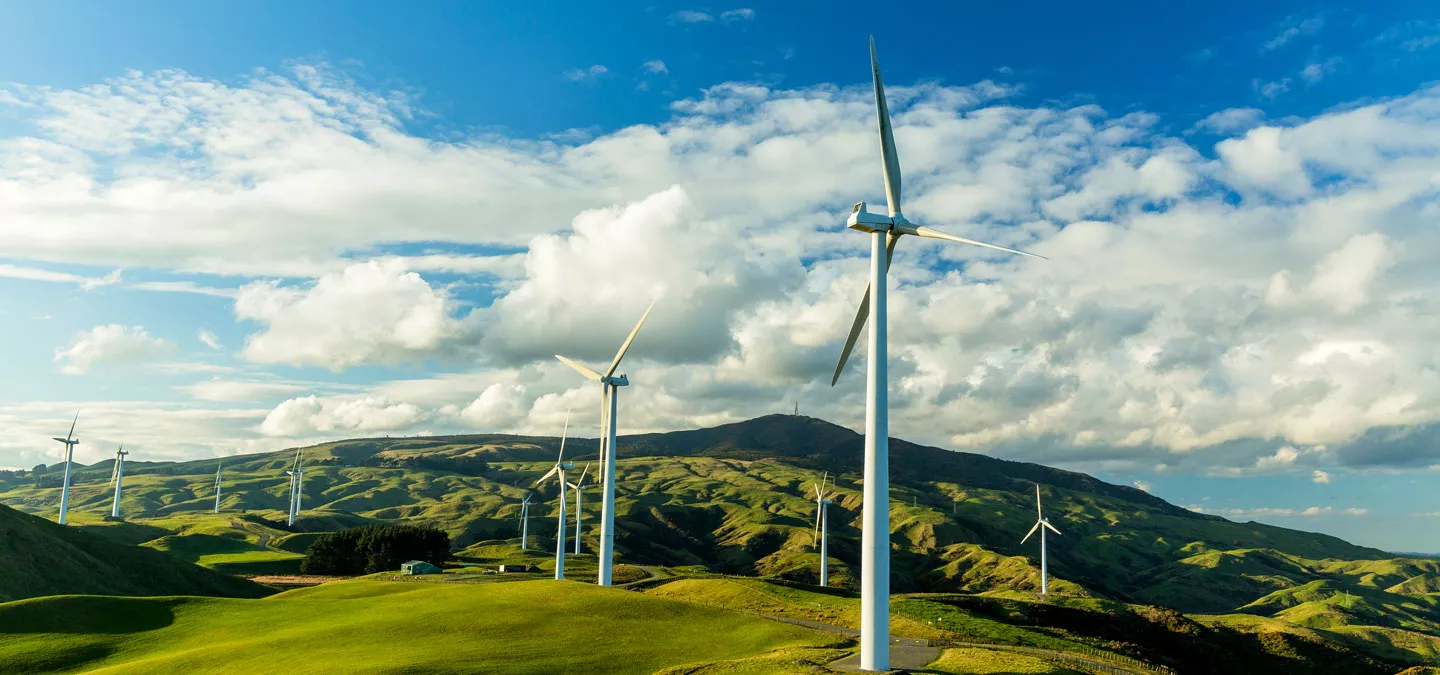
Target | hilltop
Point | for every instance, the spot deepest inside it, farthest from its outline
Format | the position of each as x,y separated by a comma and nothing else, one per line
41,558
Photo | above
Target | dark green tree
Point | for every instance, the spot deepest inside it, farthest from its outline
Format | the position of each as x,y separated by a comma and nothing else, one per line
375,548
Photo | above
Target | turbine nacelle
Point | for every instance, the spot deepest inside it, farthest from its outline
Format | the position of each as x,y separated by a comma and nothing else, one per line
864,221
616,380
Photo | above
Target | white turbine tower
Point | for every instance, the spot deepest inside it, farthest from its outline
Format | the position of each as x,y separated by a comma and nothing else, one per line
70,442
579,488
1041,524
525,523
117,479
559,472
884,232
219,477
610,393
822,529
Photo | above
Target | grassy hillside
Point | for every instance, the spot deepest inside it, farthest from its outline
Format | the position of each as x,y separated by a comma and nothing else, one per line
735,499
41,558
377,627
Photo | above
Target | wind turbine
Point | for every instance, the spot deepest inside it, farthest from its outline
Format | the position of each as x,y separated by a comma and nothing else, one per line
525,522
70,442
822,529
611,391
1039,522
559,471
219,477
884,232
117,479
579,488
297,487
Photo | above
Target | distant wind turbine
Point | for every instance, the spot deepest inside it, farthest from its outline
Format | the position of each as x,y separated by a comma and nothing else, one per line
1041,524
884,232
70,442
609,395
559,472
117,479
297,487
822,529
219,477
579,488
525,523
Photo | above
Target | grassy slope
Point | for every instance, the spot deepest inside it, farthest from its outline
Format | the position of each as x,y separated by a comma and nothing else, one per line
374,627
39,557
735,499
986,662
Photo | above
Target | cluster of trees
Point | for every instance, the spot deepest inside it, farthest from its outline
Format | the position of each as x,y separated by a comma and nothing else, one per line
375,548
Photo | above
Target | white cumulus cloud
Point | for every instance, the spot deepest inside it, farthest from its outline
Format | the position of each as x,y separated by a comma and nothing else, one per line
109,344
309,415
372,312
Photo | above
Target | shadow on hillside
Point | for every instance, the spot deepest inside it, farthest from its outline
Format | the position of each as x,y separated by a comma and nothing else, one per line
133,534
54,660
90,614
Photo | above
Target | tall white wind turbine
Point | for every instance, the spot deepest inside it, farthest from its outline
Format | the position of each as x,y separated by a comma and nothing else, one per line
117,479
559,472
219,477
884,232
525,523
822,529
1041,524
579,489
70,442
610,393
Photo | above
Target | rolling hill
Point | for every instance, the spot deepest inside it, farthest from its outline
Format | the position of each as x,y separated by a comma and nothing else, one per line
373,627
734,499
41,558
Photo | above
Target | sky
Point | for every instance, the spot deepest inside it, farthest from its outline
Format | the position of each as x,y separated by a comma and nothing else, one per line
237,227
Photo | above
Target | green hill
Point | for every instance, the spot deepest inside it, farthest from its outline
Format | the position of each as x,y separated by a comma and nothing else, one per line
41,558
735,499
376,627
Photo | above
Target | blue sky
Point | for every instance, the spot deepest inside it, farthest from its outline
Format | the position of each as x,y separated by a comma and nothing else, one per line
240,226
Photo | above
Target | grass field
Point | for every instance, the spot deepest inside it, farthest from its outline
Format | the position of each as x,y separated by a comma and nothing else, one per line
987,662
909,617
378,627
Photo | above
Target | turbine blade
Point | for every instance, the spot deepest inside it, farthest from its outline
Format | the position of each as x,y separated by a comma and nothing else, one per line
563,434
818,494
626,345
584,370
1032,531
1038,514
1052,527
862,313
583,474
887,138
542,478
932,233
815,536
822,483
